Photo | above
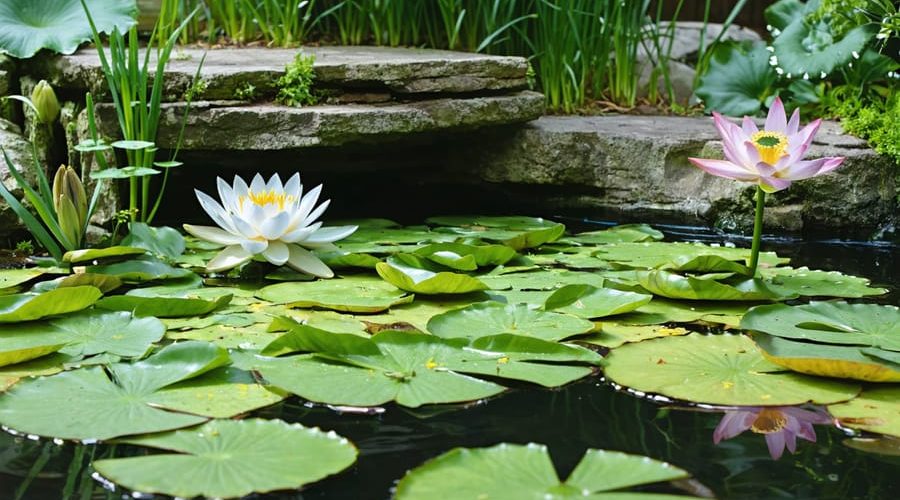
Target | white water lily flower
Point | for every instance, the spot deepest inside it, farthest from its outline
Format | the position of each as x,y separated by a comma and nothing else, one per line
268,220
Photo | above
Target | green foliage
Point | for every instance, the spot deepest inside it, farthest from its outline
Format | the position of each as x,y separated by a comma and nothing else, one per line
295,86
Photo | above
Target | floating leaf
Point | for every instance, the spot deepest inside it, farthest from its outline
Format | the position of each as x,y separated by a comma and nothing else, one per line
98,407
828,360
466,257
133,145
29,306
515,232
356,294
655,255
875,410
103,282
123,173
141,270
413,274
167,164
14,277
541,280
717,369
163,307
44,365
590,302
613,335
18,349
626,233
661,310
92,146
492,318
269,455
812,283
164,241
525,471
220,393
676,286
92,254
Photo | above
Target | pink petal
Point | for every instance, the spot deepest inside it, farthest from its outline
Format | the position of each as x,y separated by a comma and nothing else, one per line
812,168
732,424
749,126
790,439
794,123
773,184
752,153
723,168
776,121
800,141
775,442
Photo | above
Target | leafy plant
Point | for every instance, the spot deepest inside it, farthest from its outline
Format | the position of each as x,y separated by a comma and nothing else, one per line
295,86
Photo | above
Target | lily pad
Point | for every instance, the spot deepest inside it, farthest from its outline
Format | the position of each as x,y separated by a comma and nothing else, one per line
44,365
28,306
875,410
541,280
123,173
14,277
717,369
99,407
515,232
163,307
413,274
231,459
676,286
220,393
661,310
466,257
829,360
492,318
525,471
625,233
613,335
141,270
655,255
590,302
814,283
352,294
92,254
17,349
104,282
163,241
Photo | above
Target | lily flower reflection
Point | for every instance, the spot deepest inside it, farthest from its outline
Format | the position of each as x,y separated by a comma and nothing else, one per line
781,425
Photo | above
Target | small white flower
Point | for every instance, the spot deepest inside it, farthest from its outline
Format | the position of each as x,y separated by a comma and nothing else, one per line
268,220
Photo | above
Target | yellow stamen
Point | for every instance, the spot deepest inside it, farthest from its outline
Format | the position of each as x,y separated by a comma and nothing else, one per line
768,421
266,197
770,145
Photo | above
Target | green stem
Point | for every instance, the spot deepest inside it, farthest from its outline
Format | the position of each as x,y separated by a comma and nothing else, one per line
757,230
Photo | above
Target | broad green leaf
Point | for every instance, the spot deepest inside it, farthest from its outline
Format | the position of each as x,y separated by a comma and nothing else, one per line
656,255
14,277
98,407
492,318
415,313
515,232
812,283
44,365
58,25
676,286
613,335
590,302
717,369
541,280
87,333
829,360
626,233
805,49
164,241
864,325
220,393
29,306
458,255
387,236
414,274
661,310
92,146
254,336
342,258
18,349
356,294
231,458
783,12
104,282
187,285
705,264
875,410
133,145
123,173
92,254
163,307
525,471
141,270
738,80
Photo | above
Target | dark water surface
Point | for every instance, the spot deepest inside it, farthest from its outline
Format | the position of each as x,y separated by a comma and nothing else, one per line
587,414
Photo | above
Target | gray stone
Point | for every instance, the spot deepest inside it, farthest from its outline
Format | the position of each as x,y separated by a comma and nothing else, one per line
225,71
681,77
19,151
227,125
686,38
638,165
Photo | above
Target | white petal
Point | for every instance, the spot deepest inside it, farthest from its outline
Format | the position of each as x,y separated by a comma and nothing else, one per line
275,184
257,185
330,234
212,234
277,253
226,195
317,212
293,186
304,261
215,211
255,215
307,203
273,228
232,256
244,228
254,247
240,187
299,235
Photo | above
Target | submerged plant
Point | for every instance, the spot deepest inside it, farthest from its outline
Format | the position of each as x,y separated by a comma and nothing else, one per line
771,158
781,425
270,221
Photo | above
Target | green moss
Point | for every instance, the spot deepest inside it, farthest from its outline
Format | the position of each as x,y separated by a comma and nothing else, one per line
295,86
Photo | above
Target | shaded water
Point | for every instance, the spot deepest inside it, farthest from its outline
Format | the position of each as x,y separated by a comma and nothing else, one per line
587,414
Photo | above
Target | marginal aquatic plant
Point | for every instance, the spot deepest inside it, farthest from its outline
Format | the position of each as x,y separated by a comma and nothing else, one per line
295,86
781,425
771,158
270,221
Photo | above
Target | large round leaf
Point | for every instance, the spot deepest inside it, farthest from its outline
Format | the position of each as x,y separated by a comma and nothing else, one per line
515,232
91,254
466,257
661,310
738,80
526,472
829,360
590,302
353,293
717,369
875,410
492,318
231,459
141,270
29,306
414,274
163,307
626,233
541,280
655,254
676,286
807,49
59,25
815,283
14,277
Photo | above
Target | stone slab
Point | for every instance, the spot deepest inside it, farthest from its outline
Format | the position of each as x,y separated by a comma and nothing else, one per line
231,126
399,70
18,149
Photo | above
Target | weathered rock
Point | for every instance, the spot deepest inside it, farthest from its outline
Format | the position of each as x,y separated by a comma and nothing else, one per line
638,165
227,126
19,151
681,77
686,38
226,71
7,87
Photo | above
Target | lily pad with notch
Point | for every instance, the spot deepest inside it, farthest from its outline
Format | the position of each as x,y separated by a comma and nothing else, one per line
814,283
492,318
366,294
30,306
625,233
141,270
516,232
877,409
414,274
589,302
163,307
828,360
677,286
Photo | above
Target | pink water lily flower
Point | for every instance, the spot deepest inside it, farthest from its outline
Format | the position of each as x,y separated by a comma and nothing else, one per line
781,425
772,157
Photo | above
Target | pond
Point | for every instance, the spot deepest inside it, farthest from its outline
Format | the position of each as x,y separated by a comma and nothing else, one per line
589,413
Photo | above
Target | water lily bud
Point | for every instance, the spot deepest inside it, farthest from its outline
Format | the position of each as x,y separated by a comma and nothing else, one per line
44,99
70,202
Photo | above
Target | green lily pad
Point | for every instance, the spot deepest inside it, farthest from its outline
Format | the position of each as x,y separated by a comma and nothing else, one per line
386,236
17,349
626,233
515,232
354,294
188,285
414,274
830,360
717,369
87,333
525,471
269,455
163,241
813,283
28,306
99,407
613,335
163,307
492,318
123,173
541,280
676,286
656,255
104,282
875,410
807,49
466,257
132,145
92,254
44,365
590,302
661,310
343,258
255,336
141,270
865,325
220,393
15,277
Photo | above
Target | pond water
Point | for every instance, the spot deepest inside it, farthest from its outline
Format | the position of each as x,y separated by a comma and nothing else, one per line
586,414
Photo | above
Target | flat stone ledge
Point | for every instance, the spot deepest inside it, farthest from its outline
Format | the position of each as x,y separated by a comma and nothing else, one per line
225,71
229,126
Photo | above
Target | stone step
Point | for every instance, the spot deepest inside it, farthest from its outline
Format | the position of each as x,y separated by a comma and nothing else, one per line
401,71
231,126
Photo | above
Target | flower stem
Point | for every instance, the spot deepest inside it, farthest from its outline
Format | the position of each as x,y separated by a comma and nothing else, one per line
757,230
